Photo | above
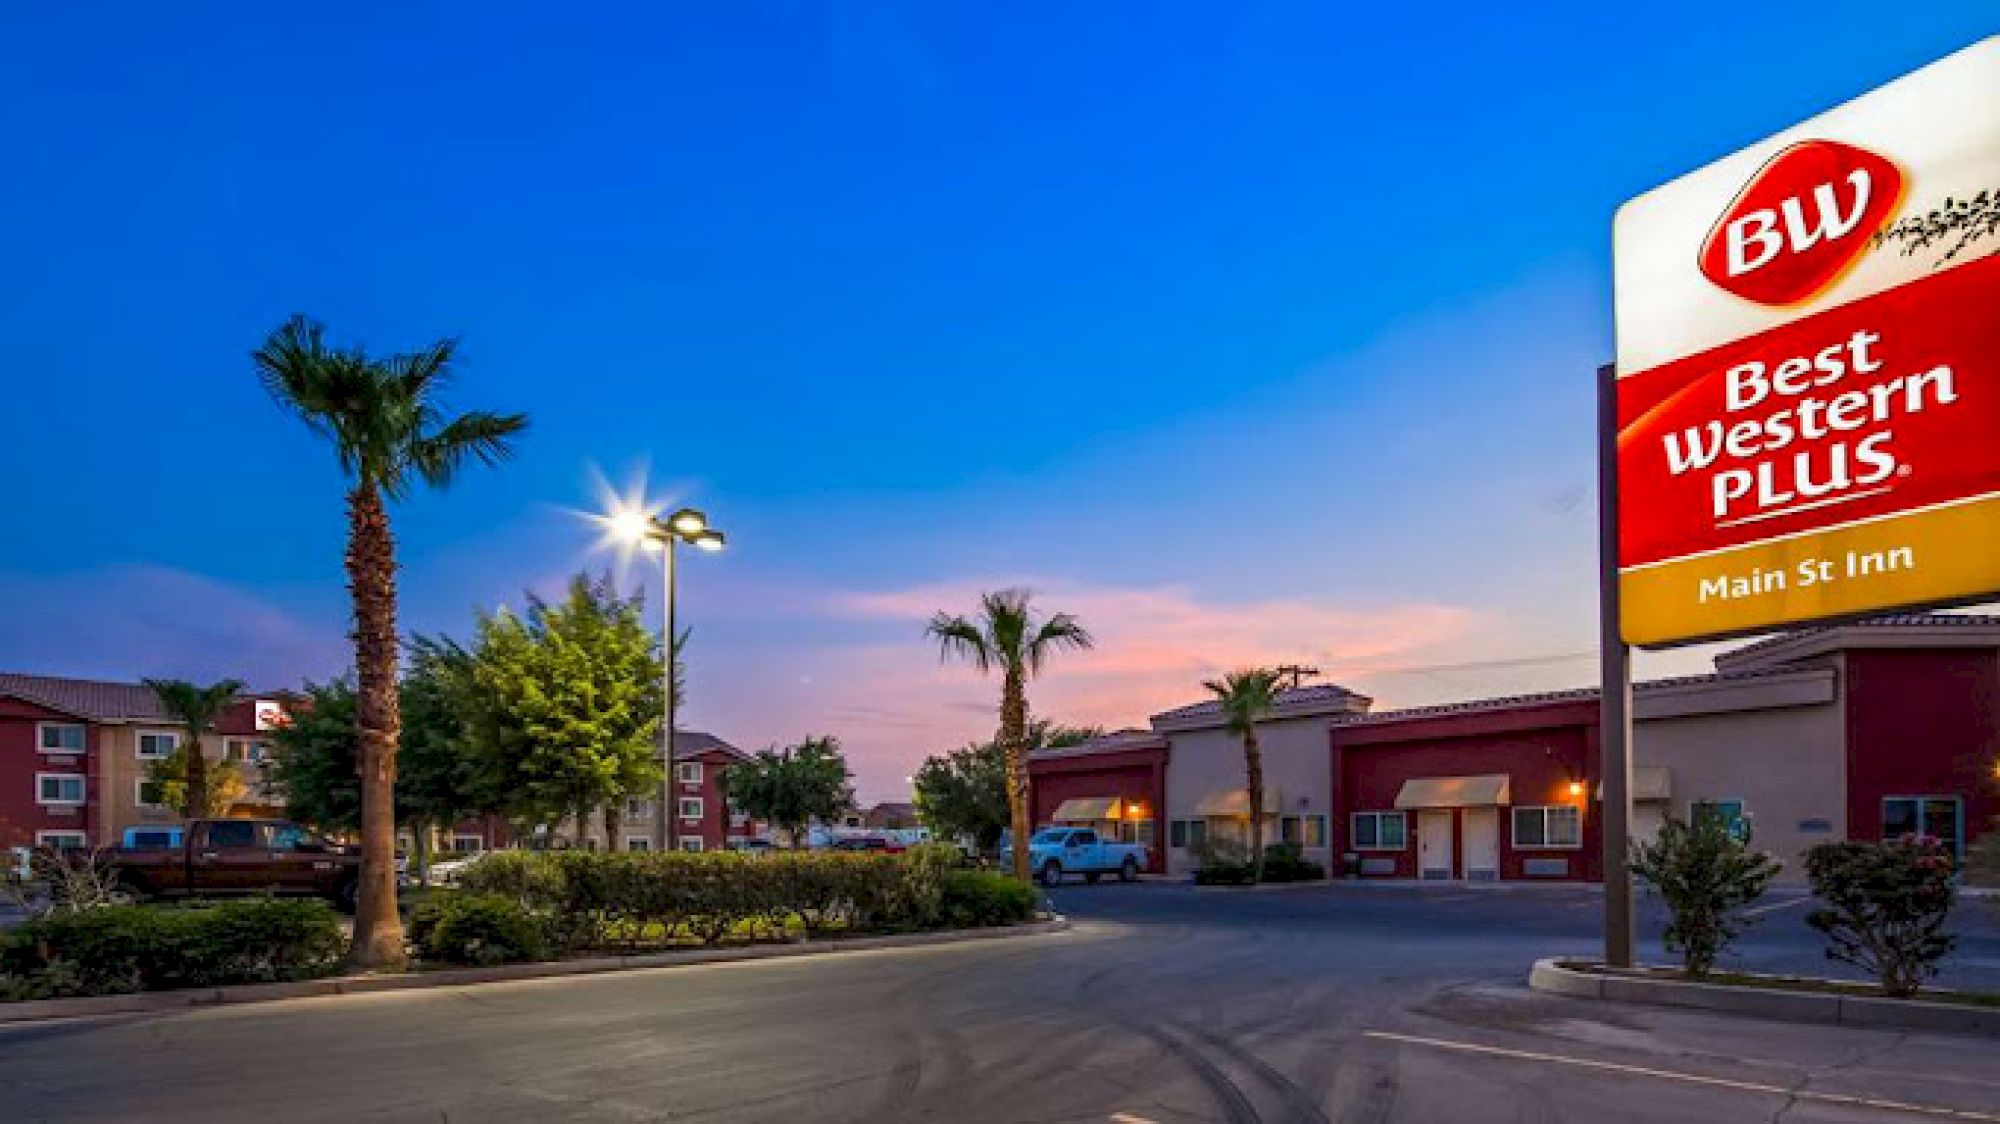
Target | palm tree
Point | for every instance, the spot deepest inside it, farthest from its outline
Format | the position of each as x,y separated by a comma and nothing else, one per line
197,708
1007,632
1246,697
390,434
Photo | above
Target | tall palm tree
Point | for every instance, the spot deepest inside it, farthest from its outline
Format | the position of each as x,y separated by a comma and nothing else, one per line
390,434
197,708
1007,633
1247,696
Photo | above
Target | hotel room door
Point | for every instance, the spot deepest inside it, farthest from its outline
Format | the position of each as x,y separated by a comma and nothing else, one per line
1434,845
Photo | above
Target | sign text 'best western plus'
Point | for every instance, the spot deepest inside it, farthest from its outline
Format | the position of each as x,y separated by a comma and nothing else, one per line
1809,413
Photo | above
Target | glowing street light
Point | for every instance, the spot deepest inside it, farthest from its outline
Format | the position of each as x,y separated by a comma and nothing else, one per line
637,527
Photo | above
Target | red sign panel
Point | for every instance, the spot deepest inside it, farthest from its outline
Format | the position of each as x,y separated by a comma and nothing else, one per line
1800,222
1888,404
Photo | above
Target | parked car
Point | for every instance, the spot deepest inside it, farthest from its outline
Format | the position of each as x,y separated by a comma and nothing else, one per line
1056,851
223,857
751,846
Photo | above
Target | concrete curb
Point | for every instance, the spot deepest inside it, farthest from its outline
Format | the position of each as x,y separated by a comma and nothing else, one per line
34,1010
1554,977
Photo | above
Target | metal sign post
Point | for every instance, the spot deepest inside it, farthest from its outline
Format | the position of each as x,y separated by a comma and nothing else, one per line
1614,727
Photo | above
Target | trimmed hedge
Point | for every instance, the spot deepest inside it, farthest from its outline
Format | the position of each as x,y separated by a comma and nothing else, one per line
481,929
124,948
596,899
978,898
1226,862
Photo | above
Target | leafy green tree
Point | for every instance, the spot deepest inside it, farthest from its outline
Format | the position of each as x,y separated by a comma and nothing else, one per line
1008,634
564,704
1885,907
313,758
436,776
964,792
221,789
390,434
791,787
1247,696
196,708
1707,873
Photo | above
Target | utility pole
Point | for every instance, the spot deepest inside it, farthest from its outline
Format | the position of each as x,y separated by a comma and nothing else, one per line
1299,673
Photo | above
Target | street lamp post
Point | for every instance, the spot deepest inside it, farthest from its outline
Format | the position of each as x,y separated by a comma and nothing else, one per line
684,526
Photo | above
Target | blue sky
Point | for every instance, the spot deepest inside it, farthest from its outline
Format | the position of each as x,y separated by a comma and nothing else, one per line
1247,331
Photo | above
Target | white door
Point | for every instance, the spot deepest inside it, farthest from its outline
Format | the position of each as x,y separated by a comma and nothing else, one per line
1434,845
1482,844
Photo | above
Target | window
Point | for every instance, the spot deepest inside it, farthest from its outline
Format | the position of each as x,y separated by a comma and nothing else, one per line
148,793
60,737
467,844
1187,833
1379,831
637,809
1731,812
690,807
638,843
1554,825
688,771
61,840
1938,816
690,842
244,750
1142,831
1083,839
155,744
59,788
233,833
1288,829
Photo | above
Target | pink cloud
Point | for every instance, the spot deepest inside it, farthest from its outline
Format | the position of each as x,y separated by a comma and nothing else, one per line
893,702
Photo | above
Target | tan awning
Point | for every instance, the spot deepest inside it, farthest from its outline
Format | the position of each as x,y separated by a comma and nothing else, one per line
1235,802
1086,809
1649,783
1454,792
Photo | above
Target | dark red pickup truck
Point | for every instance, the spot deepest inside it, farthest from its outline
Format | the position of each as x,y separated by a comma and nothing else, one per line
222,857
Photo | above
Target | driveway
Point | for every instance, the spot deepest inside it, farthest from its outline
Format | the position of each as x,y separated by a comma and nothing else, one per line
1165,1003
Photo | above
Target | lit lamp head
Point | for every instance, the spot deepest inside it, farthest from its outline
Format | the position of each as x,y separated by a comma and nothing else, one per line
710,540
631,525
1576,788
688,522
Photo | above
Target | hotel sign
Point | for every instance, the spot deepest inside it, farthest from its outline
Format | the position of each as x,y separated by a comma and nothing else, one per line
1809,413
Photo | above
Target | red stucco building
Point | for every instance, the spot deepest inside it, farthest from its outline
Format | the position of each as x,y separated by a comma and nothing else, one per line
1862,731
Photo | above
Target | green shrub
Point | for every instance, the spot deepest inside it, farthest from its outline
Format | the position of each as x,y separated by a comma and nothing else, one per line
589,898
477,928
123,948
1707,873
1287,862
976,898
1221,862
1885,907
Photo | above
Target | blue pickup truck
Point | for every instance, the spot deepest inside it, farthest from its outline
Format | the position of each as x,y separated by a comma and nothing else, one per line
1056,851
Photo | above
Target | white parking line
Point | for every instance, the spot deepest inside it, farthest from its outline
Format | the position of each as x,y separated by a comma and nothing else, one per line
1688,1078
1130,1118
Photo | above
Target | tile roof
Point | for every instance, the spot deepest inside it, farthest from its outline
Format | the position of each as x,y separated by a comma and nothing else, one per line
688,743
1118,741
93,699
1297,698
1551,698
1749,652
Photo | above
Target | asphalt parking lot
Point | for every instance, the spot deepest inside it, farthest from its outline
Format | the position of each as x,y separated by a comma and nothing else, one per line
1164,1003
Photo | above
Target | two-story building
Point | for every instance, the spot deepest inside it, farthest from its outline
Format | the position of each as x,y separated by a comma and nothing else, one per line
704,820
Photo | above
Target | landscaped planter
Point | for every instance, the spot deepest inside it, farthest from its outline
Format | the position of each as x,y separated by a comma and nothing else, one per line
1795,999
